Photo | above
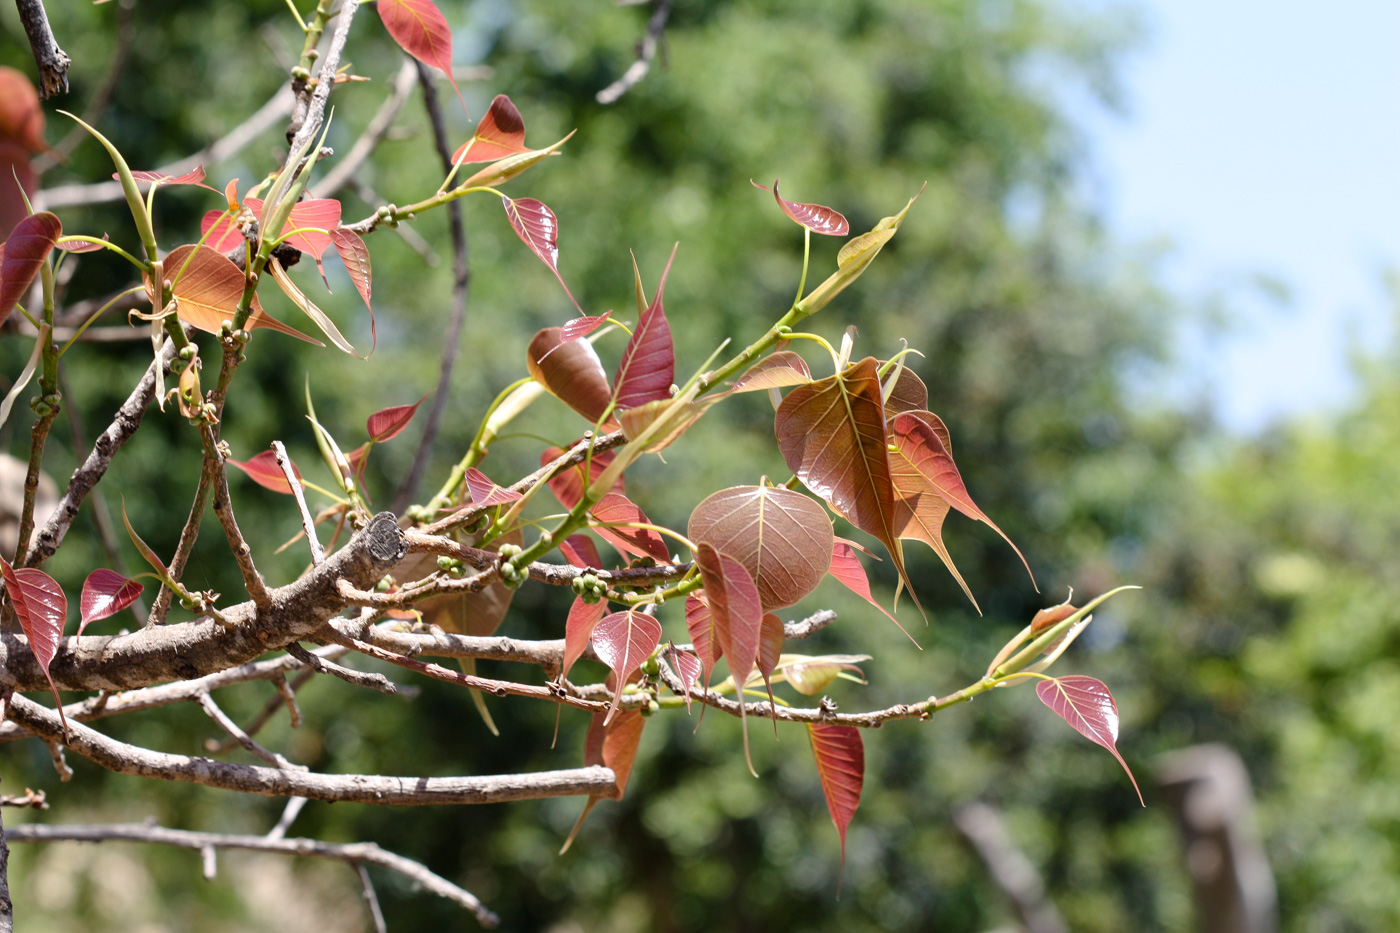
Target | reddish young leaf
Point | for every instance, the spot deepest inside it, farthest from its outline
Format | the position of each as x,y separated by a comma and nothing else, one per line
635,421
848,571
840,755
512,166
105,593
208,287
582,326
613,746
536,224
832,434
704,635
24,252
17,182
687,668
1047,618
42,609
648,365
919,512
737,614
221,231
310,308
264,471
580,551
782,538
195,176
855,256
919,442
570,371
623,641
319,214
770,651
908,394
355,255
775,371
639,542
386,423
500,133
815,217
79,246
567,485
421,30
21,115
578,629
487,493
1086,704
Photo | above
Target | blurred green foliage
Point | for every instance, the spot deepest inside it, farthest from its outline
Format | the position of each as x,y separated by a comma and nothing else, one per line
1267,616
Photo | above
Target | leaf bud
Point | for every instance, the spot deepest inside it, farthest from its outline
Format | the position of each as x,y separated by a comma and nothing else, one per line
385,584
650,667
651,707
579,585
301,74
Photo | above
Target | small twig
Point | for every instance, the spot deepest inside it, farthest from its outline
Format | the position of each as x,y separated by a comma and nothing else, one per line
212,710
308,524
359,678
646,51
289,815
371,899
287,693
99,100
30,799
210,860
53,62
60,764
411,237
223,509
804,628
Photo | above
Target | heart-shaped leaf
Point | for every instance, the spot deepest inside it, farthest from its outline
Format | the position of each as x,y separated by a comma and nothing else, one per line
568,484
580,551
840,755
485,492
105,593
537,226
264,470
907,394
737,614
27,248
421,30
570,371
208,287
619,511
313,219
41,608
648,365
1086,704
386,423
832,434
578,629
623,641
500,133
782,538
221,231
776,370
848,571
815,217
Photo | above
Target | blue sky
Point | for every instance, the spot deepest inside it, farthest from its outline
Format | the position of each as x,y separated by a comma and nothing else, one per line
1263,139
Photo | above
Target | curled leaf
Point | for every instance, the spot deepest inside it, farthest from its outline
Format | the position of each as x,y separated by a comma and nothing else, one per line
321,319
776,370
105,593
570,371
815,217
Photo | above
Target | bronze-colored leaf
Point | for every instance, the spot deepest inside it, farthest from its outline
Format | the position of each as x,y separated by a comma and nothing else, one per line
776,370
570,371
207,287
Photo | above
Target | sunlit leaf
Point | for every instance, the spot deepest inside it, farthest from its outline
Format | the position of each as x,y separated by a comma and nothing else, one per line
682,415
314,219
840,755
23,254
737,614
832,434
221,231
815,217
648,365
421,30
355,255
386,423
919,511
1047,618
782,538
500,133
623,641
570,371
537,226
264,470
687,668
208,287
811,675
512,166
194,176
580,551
568,484
776,370
309,307
855,257
770,651
850,573
703,633
908,394
578,629
41,608
79,246
105,593
613,746
582,326
1086,704
641,542
487,493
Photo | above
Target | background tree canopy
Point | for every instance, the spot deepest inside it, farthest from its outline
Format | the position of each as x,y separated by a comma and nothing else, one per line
1266,620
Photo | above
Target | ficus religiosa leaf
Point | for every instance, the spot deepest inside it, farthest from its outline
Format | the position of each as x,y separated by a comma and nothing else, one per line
537,226
386,423
310,308
908,393
421,30
578,629
704,635
79,246
623,641
105,593
41,609
832,434
855,257
687,668
582,326
207,287
777,370
770,652
648,365
22,255
682,416
568,484
613,745
570,371
782,538
485,492
847,569
919,443
580,551
1086,704
736,611
308,227
810,675
618,510
500,133
840,755
353,252
815,217
194,176
264,470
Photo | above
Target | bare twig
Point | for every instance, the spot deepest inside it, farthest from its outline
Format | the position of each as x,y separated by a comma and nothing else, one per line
29,800
373,135
308,524
53,62
646,51
289,815
357,853
214,712
325,80
371,899
223,509
359,678
7,907
983,827
99,100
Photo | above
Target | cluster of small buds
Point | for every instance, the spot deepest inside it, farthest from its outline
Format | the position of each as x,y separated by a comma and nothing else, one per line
589,588
511,575
451,566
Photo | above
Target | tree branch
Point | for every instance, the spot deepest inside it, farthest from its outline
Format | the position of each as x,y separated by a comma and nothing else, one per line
53,62
646,51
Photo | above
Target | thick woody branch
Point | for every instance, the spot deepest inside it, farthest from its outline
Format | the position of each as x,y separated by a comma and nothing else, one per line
356,853
53,62
383,790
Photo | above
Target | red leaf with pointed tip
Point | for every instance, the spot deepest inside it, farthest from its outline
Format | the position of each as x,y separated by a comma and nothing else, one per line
105,593
42,609
640,542
848,571
840,755
832,434
570,371
687,668
578,629
223,233
536,224
79,246
703,633
775,371
21,115
623,641
582,326
386,423
815,217
919,442
782,538
735,608
500,133
770,649
580,551
567,485
421,30
193,177
919,512
264,471
614,745
209,287
1086,704
24,253
487,493
17,181
321,214
355,255
648,365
